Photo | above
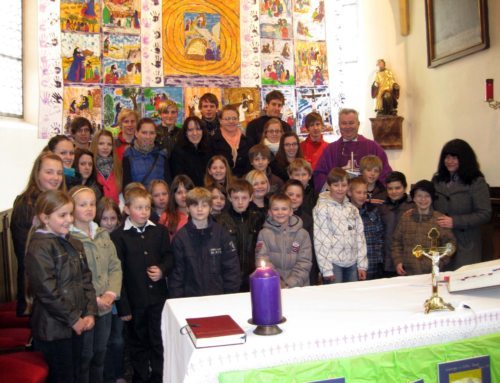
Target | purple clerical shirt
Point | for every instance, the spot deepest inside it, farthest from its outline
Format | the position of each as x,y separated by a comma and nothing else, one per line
338,153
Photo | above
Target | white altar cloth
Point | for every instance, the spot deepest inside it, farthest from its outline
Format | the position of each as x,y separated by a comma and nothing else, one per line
326,322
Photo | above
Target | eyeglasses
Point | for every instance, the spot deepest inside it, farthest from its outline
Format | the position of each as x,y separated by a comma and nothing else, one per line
84,130
230,118
274,131
291,145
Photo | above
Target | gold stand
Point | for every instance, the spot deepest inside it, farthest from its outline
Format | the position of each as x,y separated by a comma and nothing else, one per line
435,253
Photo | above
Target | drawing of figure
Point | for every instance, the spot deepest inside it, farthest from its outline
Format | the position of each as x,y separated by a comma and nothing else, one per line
88,9
84,104
72,107
317,78
76,70
106,45
118,108
89,71
285,52
90,100
137,24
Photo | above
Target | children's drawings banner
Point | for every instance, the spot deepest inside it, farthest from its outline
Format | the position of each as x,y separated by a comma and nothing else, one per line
100,56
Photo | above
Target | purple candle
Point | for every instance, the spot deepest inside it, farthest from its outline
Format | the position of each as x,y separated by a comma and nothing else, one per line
265,292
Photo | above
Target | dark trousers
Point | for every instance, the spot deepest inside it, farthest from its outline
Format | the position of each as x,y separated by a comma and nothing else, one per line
94,344
62,357
146,348
114,364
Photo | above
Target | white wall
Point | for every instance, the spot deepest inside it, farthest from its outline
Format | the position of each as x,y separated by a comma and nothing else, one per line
438,104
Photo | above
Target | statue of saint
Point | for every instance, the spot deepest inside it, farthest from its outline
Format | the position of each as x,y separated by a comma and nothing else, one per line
385,91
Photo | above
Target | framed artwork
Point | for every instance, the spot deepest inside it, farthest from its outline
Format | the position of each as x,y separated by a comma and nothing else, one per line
455,28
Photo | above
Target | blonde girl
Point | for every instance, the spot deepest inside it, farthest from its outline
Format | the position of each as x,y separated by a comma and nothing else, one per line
159,193
261,187
107,164
60,283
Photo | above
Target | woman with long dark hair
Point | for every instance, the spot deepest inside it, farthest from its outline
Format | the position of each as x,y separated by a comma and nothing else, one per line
191,151
464,198
288,151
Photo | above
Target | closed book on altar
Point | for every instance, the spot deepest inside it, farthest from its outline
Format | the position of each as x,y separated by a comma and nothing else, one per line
478,275
214,331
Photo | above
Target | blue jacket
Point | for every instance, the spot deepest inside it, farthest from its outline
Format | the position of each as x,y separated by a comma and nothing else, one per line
136,166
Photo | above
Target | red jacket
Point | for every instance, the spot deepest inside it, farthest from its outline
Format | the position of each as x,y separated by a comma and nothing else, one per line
312,150
109,186
120,145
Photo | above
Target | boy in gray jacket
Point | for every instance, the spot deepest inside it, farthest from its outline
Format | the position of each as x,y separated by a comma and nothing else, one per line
284,244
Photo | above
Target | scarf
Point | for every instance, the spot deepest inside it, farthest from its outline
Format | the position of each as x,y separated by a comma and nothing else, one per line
272,147
233,139
104,165
144,149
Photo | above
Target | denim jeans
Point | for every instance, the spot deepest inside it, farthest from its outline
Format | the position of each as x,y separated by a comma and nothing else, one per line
94,350
62,357
114,365
345,274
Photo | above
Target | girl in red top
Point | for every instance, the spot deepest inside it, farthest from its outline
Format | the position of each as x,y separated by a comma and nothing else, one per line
108,166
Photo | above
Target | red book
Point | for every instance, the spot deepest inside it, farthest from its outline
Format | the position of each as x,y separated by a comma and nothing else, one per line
219,330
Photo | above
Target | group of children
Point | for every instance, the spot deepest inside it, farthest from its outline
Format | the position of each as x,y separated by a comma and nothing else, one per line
93,264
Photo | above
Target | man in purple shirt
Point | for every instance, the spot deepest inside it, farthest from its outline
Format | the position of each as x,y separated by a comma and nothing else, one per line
348,150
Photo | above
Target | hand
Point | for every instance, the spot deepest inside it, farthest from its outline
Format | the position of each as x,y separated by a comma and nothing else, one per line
361,275
89,322
79,326
445,222
408,213
126,318
400,269
106,300
329,279
154,273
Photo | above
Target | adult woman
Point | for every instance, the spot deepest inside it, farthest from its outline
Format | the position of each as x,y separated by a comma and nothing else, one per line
63,147
289,150
47,174
192,151
127,120
144,161
167,131
231,143
272,134
463,195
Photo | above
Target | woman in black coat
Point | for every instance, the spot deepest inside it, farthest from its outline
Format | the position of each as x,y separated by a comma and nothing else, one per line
192,151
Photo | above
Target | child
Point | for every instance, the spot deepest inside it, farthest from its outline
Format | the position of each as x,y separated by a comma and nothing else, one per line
218,199
146,256
84,166
313,145
107,164
301,170
159,193
47,174
109,217
218,172
64,301
283,243
391,210
372,224
106,279
260,156
65,149
175,215
370,167
126,189
289,150
272,134
260,185
206,262
295,191
339,239
243,225
413,229
144,161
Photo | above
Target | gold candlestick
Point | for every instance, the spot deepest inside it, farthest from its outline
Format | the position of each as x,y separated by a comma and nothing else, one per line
435,253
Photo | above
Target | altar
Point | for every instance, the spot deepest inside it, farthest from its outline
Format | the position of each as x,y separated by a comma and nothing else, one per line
326,323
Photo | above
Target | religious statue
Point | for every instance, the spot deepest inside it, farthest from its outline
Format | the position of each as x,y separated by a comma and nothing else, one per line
435,253
385,91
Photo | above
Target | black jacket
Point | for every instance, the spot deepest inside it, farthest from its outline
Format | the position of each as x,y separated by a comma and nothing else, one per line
221,147
137,251
191,161
60,282
255,128
206,262
244,229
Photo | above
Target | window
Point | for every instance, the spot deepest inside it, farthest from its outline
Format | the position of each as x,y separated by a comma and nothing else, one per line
11,62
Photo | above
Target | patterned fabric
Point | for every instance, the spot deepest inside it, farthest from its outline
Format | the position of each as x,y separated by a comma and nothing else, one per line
338,235
104,165
374,236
